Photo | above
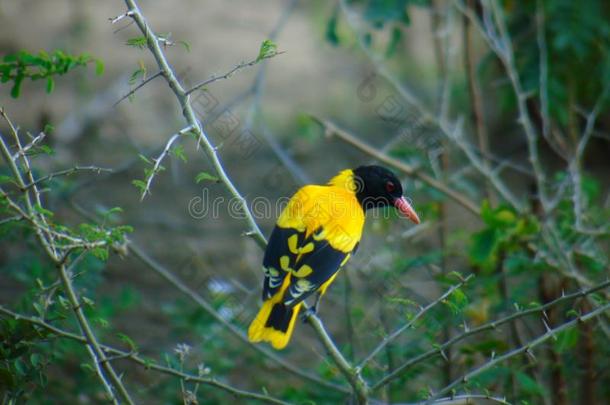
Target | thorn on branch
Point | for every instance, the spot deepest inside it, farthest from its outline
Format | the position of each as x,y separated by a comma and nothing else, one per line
120,17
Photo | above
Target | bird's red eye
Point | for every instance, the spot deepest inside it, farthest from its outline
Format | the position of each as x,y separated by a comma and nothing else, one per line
390,187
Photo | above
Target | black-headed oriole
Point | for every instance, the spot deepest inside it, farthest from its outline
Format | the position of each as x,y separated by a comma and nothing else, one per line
315,235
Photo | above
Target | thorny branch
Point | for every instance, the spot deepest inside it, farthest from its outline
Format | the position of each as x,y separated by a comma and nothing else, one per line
117,354
184,100
189,115
392,336
527,348
59,255
493,325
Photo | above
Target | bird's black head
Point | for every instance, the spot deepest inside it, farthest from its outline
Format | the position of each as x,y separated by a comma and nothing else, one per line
376,186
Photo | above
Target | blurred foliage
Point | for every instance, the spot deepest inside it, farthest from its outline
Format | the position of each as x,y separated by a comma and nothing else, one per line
577,36
24,65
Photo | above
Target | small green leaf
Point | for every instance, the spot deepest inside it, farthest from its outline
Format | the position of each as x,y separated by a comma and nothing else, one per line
267,50
395,41
88,367
139,184
50,84
42,211
483,247
5,179
566,340
99,67
331,28
48,129
100,253
137,42
127,340
16,90
35,359
144,159
186,45
178,151
204,176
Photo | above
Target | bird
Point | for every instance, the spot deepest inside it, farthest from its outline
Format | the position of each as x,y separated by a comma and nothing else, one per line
316,233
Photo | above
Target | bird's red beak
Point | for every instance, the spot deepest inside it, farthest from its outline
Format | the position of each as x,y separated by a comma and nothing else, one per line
405,208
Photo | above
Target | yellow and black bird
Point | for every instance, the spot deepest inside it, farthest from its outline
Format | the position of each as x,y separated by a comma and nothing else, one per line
314,237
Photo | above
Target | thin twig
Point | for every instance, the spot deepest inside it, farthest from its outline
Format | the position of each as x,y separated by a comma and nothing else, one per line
68,172
199,300
392,336
333,130
189,115
145,363
157,166
551,333
99,356
493,325
230,73
57,254
352,374
138,87
426,116
496,34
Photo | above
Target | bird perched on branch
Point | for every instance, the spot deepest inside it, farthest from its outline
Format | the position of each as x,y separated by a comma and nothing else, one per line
314,237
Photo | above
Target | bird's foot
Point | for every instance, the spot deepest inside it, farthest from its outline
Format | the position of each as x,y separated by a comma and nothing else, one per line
309,312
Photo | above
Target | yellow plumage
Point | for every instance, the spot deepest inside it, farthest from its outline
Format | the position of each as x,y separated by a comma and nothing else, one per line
315,235
317,214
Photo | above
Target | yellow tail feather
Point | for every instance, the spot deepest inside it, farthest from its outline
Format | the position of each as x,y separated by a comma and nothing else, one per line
258,331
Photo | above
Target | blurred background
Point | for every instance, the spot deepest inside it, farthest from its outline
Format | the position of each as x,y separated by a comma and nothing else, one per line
419,83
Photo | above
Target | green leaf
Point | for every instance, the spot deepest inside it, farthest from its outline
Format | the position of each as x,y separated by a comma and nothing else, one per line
331,28
566,340
395,41
35,359
178,151
267,50
100,253
50,84
205,176
42,211
529,385
16,90
483,247
99,67
5,179
127,340
144,159
139,184
137,42
48,129
186,45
